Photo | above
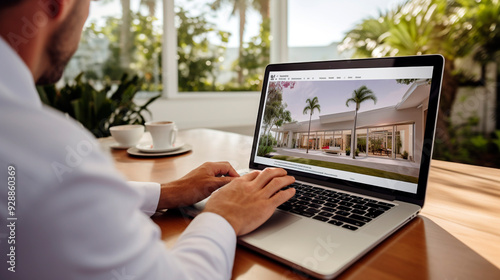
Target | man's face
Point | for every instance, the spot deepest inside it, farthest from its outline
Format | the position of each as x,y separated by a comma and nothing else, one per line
64,42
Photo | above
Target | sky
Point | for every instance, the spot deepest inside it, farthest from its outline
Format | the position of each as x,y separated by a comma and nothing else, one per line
311,22
321,22
332,96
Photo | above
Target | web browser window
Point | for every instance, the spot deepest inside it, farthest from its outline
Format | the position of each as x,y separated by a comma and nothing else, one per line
360,125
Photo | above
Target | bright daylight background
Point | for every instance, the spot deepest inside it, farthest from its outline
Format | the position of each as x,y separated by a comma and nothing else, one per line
315,28
314,23
213,79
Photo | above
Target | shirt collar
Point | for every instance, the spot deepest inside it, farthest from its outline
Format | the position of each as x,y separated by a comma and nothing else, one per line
16,80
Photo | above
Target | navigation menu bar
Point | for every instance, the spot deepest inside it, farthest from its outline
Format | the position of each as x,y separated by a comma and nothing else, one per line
353,74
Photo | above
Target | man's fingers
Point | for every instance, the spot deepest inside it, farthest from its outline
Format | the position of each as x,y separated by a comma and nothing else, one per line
268,174
282,196
251,176
224,168
277,184
231,171
221,181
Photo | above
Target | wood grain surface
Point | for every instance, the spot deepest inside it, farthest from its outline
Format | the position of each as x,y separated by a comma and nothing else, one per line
457,235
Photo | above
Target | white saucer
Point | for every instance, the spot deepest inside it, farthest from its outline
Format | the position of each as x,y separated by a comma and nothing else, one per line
119,146
148,148
135,152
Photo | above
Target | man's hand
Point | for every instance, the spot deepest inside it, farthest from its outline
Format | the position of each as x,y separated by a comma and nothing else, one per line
247,202
196,185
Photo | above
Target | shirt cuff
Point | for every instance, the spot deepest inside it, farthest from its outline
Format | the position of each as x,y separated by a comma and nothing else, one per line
220,226
211,226
150,193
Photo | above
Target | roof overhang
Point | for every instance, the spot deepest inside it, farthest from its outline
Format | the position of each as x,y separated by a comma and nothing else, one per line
415,96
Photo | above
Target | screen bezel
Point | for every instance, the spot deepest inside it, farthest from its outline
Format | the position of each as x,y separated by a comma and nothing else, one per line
436,61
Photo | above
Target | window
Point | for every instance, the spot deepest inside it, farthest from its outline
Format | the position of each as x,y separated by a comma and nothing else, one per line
297,30
381,144
121,36
181,46
202,45
222,45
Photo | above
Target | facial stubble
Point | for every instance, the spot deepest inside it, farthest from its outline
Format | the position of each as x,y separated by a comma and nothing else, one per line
59,49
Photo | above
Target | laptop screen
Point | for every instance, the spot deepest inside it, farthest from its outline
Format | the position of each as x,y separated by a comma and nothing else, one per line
360,125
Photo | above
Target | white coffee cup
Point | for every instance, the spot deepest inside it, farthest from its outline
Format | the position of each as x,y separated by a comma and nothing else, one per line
127,135
163,134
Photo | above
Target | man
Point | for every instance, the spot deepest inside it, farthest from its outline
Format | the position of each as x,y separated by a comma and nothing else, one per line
84,221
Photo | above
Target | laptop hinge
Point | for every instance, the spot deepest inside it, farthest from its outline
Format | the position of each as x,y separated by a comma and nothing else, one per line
347,188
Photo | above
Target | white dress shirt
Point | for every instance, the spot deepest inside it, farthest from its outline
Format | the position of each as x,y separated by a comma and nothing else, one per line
75,216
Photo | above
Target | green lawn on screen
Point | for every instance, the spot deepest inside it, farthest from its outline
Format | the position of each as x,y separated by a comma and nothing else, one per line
351,168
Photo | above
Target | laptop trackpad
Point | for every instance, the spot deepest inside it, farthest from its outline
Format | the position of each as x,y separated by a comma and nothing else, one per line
278,221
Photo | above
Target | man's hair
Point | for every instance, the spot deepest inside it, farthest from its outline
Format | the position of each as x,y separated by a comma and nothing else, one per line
9,3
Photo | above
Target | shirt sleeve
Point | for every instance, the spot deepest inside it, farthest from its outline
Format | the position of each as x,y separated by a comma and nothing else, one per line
207,243
92,228
219,245
150,193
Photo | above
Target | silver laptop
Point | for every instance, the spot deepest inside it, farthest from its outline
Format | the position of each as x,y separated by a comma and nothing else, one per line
358,137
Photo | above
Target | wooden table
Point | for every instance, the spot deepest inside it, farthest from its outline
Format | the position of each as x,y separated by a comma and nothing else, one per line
457,235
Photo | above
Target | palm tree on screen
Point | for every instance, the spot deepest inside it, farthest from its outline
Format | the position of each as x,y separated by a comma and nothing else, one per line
312,104
359,96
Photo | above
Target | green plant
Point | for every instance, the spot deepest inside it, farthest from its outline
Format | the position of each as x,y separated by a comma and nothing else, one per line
361,146
98,110
470,146
255,57
399,144
429,27
357,152
376,144
267,140
404,155
348,151
275,113
264,150
199,60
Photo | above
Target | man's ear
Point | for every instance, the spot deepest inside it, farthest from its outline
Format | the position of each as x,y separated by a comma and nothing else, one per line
53,8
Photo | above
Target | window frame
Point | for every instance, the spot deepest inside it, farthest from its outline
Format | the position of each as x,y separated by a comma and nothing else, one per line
170,79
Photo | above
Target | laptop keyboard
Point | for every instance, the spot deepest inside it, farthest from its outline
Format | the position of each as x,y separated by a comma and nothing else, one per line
337,208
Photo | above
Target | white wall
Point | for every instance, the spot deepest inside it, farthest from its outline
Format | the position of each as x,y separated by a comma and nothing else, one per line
215,111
